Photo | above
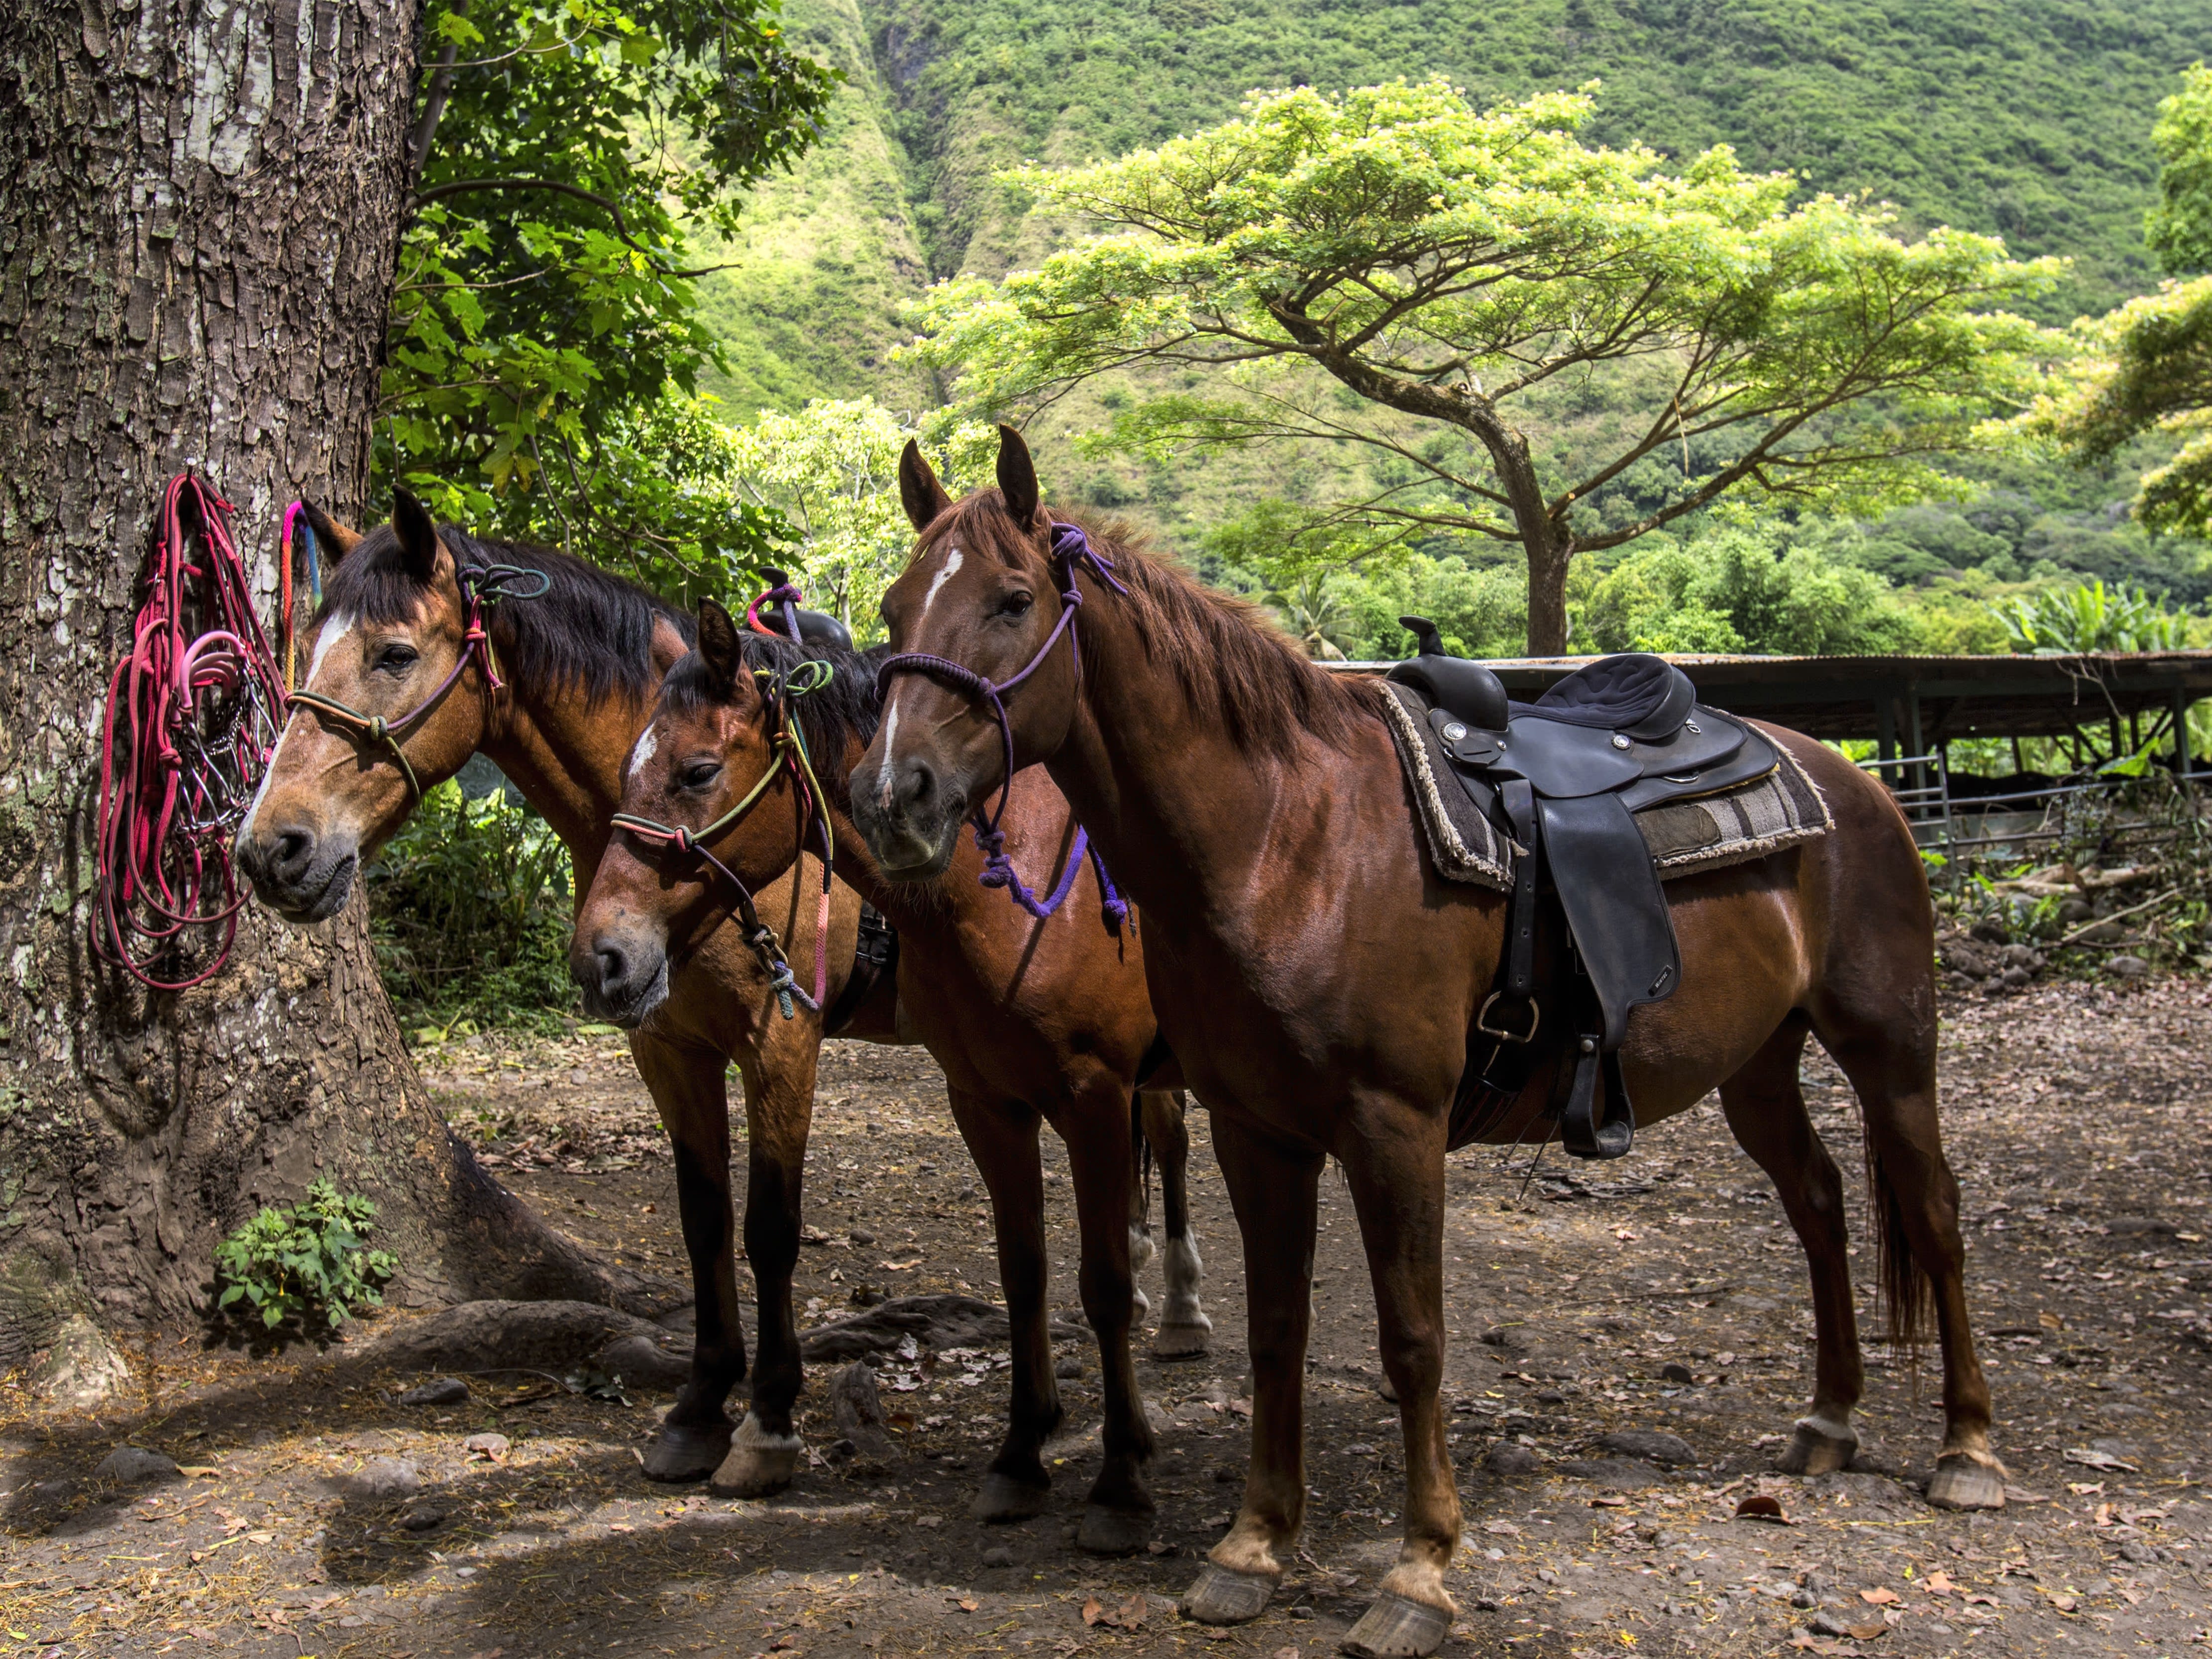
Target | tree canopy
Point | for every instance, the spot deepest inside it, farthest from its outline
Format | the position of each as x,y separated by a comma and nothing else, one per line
2148,366
544,354
1396,269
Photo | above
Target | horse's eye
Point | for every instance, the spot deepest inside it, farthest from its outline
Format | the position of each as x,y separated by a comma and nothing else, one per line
1017,603
700,773
397,658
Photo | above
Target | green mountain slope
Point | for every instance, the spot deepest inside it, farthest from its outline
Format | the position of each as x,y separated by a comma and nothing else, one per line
2026,117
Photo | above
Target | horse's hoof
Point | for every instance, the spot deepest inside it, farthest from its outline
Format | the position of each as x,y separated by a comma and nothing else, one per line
1963,1483
1223,1598
758,1466
1813,1450
1183,1342
1395,1628
687,1451
1113,1532
1004,1498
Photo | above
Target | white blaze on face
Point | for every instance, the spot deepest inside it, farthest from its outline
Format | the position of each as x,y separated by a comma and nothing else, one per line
890,737
946,571
339,627
647,742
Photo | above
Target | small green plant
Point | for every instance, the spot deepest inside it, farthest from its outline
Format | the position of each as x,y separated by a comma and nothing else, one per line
303,1261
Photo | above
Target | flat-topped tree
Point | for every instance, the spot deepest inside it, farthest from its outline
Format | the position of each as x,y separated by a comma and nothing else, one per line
1465,269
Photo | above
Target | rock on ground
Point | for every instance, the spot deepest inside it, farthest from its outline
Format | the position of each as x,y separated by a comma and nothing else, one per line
1652,1445
438,1391
387,1476
131,1464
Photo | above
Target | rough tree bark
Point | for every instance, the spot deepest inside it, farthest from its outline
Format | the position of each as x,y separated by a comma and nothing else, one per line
199,211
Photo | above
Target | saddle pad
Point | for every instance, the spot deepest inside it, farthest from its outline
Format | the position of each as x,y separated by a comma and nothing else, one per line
1780,810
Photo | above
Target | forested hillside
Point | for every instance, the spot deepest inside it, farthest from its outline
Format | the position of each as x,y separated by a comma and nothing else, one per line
2030,120
2026,117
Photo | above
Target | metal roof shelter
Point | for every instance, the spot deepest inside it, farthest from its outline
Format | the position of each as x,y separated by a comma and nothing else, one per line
1922,703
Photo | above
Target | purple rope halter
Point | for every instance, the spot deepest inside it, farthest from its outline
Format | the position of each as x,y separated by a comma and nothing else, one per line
1070,547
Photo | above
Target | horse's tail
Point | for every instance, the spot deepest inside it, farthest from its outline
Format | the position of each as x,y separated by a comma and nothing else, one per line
1905,1293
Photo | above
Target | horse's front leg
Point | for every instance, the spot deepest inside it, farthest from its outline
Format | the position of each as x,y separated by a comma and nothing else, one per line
1395,1168
1003,1141
1185,1331
1272,1188
687,1088
1117,1517
779,1112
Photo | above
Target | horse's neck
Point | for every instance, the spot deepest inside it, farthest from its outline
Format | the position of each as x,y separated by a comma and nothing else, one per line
1177,809
566,754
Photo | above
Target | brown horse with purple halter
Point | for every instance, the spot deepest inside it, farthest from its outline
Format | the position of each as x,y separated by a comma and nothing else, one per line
1319,982
1037,1012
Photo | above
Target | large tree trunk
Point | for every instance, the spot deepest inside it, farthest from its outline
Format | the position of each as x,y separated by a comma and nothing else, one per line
199,212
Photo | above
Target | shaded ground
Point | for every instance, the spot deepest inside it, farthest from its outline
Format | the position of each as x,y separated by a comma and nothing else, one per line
1663,1295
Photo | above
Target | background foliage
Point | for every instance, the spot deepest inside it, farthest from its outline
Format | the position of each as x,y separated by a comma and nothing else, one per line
471,914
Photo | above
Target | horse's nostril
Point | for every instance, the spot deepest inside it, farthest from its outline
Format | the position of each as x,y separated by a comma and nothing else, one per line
613,967
293,850
921,785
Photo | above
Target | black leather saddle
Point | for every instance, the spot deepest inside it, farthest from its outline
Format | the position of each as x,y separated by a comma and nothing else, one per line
1565,776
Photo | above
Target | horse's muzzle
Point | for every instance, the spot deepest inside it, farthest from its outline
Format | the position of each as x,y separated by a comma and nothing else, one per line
623,975
303,876
912,821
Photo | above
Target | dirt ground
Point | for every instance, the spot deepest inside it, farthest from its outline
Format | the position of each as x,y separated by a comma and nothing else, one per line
317,1515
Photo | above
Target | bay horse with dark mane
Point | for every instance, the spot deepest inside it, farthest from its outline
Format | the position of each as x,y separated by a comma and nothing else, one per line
1318,980
1030,1016
399,694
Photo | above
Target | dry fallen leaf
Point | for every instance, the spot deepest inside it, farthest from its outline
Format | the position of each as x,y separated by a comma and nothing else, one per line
1759,1507
1867,1632
1880,1598
967,1604
1938,1583
1092,1612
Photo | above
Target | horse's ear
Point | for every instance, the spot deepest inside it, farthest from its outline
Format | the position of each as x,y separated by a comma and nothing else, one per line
919,493
719,650
1017,479
333,541
418,537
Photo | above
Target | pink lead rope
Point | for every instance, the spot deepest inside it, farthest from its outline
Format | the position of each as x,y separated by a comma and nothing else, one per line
197,719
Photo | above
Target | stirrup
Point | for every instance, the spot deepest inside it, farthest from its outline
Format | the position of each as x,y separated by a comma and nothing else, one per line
1582,1132
1482,1020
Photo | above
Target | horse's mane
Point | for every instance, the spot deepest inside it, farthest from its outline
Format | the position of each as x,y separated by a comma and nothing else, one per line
842,712
591,630
1236,667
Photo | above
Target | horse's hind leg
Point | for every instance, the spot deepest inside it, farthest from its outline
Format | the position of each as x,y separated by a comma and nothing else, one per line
1888,1050
1003,1141
687,1088
1766,1112
779,1112
1185,1331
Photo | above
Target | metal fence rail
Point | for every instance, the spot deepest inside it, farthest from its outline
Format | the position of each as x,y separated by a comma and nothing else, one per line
1920,786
